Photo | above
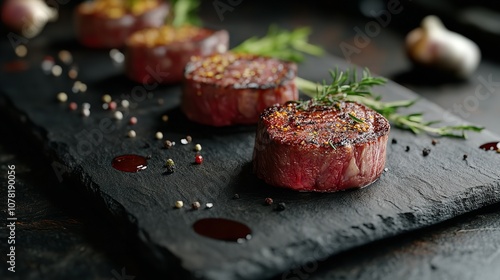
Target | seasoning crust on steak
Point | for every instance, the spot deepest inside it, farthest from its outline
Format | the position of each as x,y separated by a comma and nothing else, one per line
320,148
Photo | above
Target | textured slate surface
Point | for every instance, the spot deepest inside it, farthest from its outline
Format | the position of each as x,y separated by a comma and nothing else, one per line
417,191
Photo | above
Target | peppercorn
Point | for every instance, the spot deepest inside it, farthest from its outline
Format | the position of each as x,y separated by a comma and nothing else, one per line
86,112
281,206
209,205
112,105
73,106
168,144
21,50
159,135
465,157
198,159
131,133
73,73
170,165
125,103
426,152
56,70
62,97
197,147
434,142
189,139
394,141
179,204
407,149
268,201
118,115
106,98
196,205
65,56
236,196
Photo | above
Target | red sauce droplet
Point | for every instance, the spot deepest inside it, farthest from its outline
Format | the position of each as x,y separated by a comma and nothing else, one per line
491,146
130,163
223,229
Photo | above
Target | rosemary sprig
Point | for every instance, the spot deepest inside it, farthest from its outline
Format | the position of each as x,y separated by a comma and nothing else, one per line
356,119
346,86
183,12
281,44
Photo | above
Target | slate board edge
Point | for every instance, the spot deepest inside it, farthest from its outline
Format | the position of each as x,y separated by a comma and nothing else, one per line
165,262
18,122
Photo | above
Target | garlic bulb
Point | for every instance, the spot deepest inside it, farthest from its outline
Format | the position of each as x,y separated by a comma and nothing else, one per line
28,17
435,46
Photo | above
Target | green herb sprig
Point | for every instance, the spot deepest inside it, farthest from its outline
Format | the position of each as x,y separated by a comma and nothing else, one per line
282,44
346,87
183,12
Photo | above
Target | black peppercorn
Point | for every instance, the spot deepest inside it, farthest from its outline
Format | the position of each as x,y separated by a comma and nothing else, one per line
426,152
394,141
168,144
281,206
196,205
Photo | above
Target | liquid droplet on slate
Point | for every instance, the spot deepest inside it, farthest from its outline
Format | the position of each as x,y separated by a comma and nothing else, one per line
130,163
491,146
223,229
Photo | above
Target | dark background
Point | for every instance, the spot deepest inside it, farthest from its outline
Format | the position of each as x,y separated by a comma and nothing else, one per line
61,235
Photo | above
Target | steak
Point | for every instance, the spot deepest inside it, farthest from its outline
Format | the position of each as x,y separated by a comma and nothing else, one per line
319,148
227,89
97,27
159,55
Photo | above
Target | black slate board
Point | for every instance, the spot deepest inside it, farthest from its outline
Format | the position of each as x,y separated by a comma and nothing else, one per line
416,191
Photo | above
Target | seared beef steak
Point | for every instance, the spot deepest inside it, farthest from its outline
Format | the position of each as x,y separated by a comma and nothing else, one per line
159,55
227,89
320,148
107,24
